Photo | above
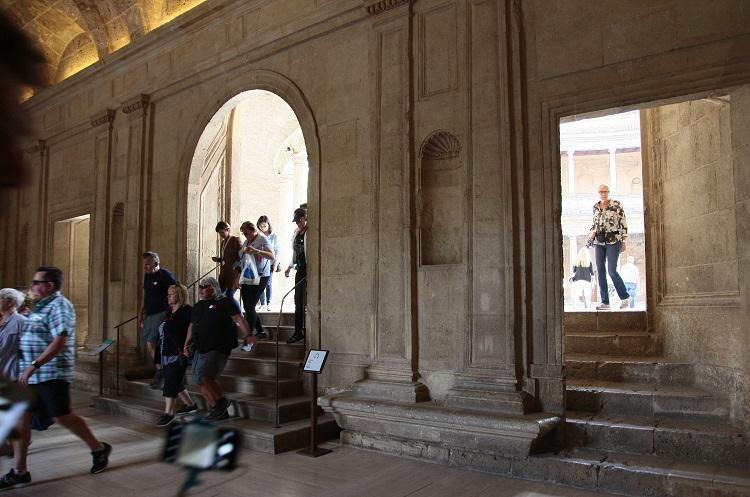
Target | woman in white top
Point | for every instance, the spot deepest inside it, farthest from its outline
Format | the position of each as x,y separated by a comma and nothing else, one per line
264,225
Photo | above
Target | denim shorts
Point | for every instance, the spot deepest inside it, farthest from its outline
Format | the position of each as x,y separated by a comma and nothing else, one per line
208,365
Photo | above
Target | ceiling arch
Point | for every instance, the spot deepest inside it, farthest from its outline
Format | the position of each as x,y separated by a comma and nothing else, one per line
77,33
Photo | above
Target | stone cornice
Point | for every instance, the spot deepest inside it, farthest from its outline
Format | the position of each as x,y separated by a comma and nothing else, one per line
139,102
105,117
375,8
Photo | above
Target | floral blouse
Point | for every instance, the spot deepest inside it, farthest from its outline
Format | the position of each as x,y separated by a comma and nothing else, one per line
609,223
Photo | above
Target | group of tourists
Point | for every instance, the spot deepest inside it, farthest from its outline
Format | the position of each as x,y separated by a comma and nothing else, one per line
173,331
37,350
608,235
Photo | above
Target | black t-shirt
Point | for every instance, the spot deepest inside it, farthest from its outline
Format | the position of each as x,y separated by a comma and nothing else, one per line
175,330
155,288
213,328
298,246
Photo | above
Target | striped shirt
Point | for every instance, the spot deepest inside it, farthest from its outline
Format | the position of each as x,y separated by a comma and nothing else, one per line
52,317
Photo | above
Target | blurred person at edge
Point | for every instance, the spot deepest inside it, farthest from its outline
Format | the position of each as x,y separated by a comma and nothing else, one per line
22,66
11,327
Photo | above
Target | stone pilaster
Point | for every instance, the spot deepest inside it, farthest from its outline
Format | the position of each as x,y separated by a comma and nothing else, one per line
103,124
393,375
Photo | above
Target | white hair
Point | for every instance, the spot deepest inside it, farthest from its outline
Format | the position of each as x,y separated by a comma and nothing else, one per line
210,280
13,294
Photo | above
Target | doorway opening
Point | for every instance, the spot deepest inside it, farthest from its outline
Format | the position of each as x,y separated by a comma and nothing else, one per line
597,152
650,369
70,251
253,162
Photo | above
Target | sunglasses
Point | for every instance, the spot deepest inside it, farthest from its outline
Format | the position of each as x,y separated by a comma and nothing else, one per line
203,287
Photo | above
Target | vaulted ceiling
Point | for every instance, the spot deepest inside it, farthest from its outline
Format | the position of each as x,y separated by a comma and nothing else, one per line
74,34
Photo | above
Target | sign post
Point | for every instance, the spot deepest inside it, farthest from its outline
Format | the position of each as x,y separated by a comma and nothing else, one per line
99,350
314,363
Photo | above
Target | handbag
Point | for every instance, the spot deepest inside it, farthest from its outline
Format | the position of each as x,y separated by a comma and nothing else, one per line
249,274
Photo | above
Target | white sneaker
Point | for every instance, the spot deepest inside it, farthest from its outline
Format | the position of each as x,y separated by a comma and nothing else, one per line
625,303
247,347
602,307
268,308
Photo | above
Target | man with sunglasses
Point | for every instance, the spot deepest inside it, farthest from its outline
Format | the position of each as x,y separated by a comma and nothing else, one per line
47,358
213,329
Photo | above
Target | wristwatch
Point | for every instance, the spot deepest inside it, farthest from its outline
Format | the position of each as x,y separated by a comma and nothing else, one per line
36,364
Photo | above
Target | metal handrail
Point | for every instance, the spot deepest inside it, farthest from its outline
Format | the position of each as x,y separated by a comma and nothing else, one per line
119,325
278,330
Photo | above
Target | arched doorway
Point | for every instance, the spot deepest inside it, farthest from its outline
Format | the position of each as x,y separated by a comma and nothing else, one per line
251,160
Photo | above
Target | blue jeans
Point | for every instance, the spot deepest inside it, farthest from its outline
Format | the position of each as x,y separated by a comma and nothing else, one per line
610,253
265,297
230,293
631,288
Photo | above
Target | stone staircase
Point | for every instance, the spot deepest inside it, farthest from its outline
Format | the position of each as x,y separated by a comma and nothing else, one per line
638,421
249,383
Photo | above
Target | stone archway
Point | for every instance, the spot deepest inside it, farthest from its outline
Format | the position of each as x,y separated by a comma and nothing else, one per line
217,119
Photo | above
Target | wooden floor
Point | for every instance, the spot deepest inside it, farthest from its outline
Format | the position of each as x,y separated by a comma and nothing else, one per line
59,465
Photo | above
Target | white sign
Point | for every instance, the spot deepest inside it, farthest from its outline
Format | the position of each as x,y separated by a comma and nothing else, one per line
315,361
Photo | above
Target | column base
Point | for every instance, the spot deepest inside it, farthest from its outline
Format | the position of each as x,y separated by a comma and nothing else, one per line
481,392
394,383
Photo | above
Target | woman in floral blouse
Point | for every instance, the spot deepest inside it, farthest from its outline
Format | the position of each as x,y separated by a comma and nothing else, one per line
608,234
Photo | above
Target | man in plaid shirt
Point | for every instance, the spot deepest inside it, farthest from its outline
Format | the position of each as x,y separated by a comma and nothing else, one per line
46,366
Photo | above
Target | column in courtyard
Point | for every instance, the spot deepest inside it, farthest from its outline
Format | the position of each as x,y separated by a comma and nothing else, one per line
612,171
393,375
571,172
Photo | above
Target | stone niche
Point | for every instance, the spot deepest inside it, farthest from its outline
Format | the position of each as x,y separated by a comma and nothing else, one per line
441,200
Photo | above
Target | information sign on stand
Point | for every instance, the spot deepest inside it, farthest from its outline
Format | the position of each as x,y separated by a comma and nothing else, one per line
99,350
314,363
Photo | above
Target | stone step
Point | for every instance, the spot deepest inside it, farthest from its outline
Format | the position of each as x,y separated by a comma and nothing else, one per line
685,440
257,407
640,399
267,348
635,475
271,318
243,364
285,331
632,369
621,343
605,321
256,435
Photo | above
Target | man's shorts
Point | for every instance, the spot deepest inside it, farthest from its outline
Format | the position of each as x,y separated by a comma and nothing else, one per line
208,365
150,331
52,398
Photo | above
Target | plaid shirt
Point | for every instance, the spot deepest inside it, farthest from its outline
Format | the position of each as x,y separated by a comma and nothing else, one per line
52,317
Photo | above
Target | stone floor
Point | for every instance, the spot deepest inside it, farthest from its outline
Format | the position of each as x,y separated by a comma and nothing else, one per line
59,466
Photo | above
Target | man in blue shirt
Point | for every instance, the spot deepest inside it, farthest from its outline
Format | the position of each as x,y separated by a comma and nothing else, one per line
156,282
46,366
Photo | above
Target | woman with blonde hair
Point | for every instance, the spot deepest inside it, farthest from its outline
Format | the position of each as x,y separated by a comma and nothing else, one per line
173,334
583,272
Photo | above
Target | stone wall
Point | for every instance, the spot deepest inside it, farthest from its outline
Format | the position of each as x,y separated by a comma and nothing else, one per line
694,229
399,103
